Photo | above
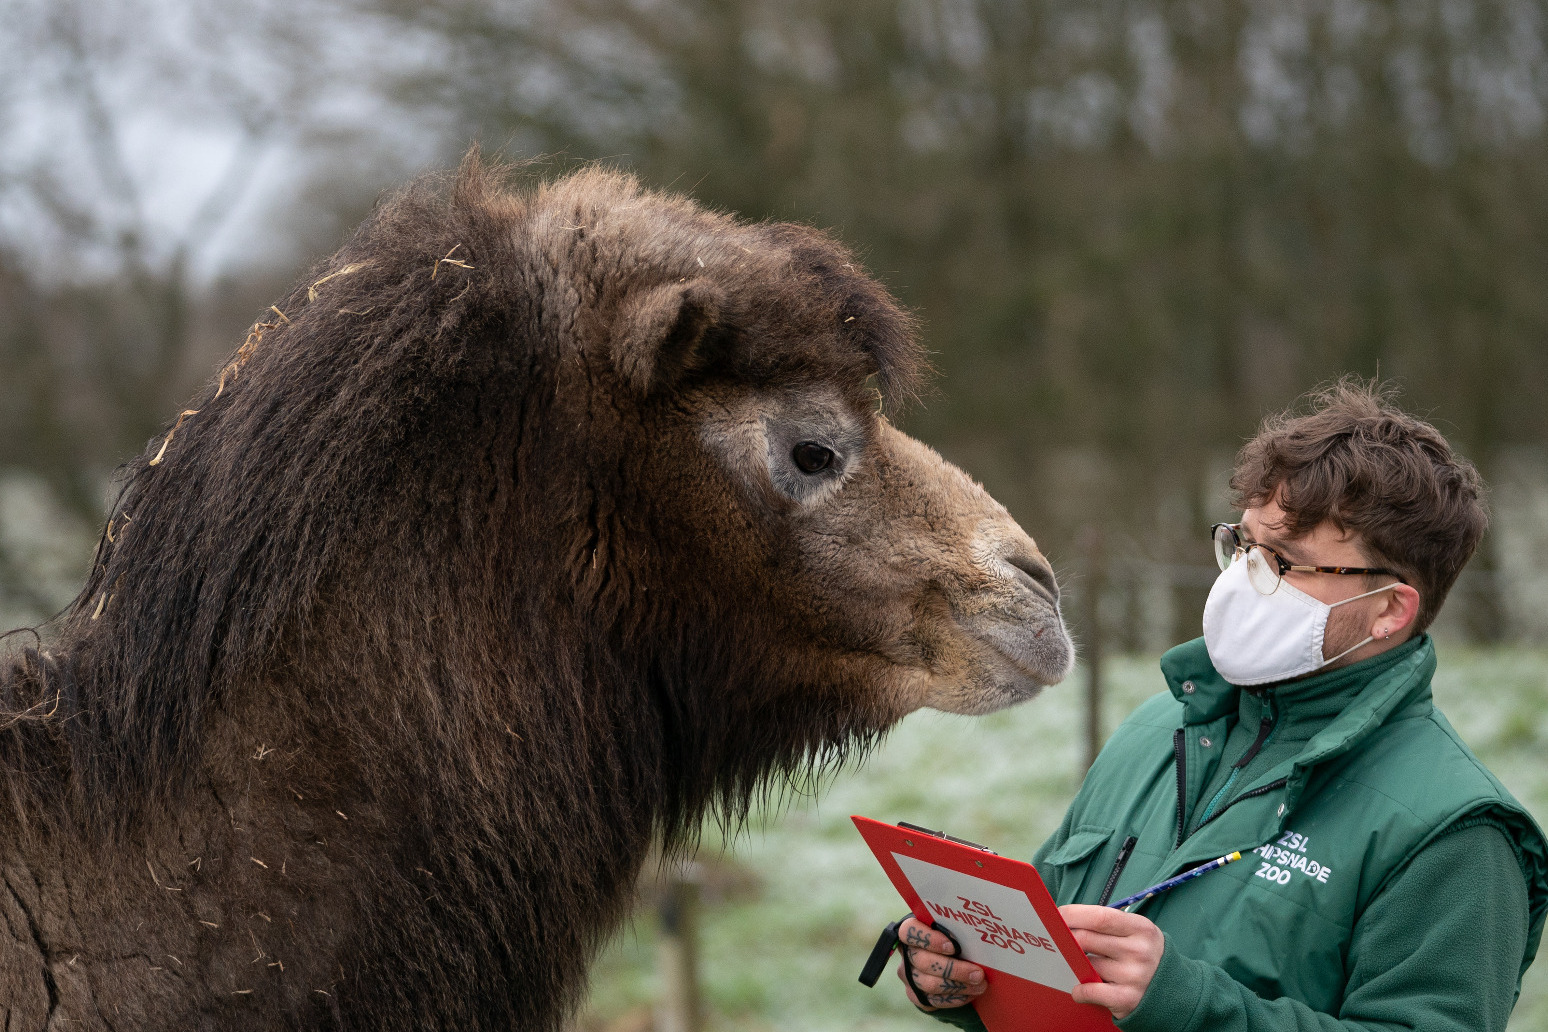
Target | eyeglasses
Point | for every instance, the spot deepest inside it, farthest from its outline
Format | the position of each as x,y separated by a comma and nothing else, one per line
1266,567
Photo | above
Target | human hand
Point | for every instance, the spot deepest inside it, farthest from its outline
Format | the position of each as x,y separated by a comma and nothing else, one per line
945,980
1124,948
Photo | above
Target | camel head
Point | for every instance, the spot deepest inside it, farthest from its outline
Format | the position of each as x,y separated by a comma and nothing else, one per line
733,379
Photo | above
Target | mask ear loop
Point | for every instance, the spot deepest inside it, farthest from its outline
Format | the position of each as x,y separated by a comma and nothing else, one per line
1369,638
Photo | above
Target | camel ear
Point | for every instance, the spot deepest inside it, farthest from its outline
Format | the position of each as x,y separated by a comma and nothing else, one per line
657,335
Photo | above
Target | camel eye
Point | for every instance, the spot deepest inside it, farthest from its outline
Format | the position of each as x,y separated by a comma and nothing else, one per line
811,457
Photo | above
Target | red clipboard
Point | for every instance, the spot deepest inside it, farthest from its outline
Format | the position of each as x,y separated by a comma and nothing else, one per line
1007,923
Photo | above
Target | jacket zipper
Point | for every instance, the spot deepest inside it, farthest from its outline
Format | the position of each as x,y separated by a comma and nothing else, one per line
1265,732
1182,785
1118,866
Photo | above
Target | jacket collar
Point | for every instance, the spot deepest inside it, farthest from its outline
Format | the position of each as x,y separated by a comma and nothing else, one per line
1398,680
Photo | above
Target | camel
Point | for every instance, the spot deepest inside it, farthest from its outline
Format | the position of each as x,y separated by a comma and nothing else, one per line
535,525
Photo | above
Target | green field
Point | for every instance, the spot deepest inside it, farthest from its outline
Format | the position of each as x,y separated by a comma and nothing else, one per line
792,906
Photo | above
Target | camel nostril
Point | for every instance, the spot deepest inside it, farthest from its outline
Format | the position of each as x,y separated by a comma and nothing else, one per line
1035,573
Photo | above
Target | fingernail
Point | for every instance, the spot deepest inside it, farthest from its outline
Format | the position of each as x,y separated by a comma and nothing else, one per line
975,976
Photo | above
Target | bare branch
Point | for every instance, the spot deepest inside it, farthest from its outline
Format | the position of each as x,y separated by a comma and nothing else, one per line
102,136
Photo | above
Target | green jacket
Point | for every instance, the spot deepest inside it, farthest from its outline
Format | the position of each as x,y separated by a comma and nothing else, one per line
1378,890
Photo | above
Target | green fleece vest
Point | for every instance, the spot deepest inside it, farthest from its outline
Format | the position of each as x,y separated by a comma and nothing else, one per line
1322,832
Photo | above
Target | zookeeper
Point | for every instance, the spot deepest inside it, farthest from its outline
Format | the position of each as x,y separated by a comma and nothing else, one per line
1388,880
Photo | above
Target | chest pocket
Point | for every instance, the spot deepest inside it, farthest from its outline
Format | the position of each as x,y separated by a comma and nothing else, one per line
1069,869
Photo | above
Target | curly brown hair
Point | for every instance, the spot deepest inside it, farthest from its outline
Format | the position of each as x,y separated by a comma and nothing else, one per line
1359,461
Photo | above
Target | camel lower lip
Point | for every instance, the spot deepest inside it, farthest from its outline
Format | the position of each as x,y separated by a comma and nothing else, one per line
1029,651
1037,678
999,678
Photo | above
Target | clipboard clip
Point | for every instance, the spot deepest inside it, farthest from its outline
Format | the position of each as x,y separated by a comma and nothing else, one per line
948,838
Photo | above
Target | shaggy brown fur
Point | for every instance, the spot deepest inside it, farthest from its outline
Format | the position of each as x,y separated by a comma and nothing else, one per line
484,564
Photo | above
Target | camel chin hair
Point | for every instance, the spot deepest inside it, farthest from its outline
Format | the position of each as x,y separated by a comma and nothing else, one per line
536,524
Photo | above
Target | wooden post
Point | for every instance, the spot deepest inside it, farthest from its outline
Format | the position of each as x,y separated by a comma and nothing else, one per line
677,952
1091,631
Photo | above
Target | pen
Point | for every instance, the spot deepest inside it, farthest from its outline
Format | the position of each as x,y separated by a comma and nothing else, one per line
1172,883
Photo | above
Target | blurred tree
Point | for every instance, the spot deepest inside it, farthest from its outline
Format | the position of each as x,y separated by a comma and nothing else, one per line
1132,227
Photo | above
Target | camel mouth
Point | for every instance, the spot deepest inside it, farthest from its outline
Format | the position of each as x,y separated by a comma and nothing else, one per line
1024,627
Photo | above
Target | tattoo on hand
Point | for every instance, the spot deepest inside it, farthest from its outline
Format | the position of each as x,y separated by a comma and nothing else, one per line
915,937
942,968
947,1001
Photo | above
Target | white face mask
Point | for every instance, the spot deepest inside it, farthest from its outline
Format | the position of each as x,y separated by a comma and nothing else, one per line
1257,639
